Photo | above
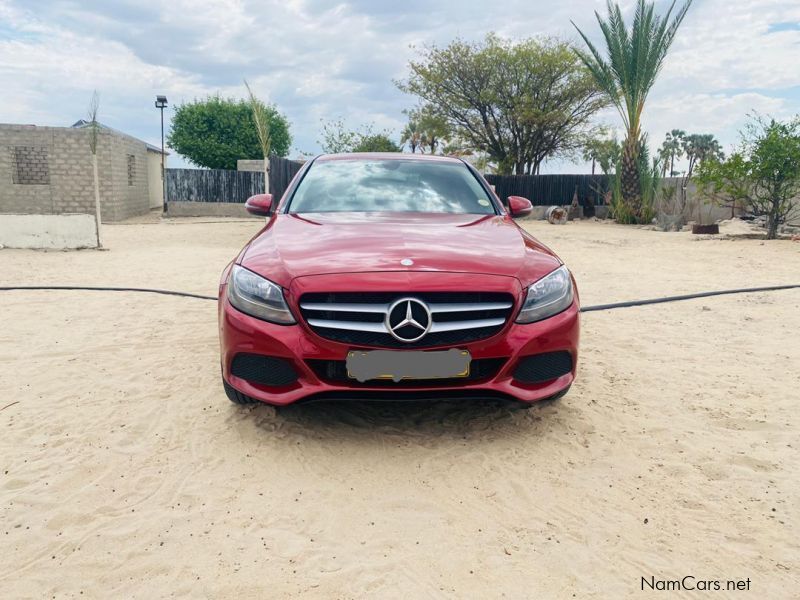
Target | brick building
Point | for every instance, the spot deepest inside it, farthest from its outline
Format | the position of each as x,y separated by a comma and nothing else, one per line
48,170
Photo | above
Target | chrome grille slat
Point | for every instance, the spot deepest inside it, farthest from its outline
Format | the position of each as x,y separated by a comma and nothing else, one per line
358,318
351,325
345,307
458,325
383,308
468,307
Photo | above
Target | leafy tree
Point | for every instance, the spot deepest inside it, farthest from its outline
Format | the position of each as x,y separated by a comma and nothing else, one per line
376,142
724,181
336,139
627,73
434,128
602,151
605,152
520,103
671,148
763,176
216,132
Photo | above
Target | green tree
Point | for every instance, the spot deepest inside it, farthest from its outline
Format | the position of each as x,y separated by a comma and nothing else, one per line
433,127
725,181
671,148
698,148
519,102
376,142
602,151
627,73
411,135
216,132
605,152
336,138
763,176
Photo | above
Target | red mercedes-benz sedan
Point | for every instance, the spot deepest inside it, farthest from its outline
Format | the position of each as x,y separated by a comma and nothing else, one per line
395,276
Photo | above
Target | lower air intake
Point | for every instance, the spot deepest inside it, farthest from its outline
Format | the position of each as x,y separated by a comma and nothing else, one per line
543,367
263,370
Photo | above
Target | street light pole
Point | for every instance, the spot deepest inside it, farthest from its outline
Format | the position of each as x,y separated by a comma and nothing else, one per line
161,103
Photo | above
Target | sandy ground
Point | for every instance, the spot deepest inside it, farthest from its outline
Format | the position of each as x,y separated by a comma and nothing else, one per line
126,473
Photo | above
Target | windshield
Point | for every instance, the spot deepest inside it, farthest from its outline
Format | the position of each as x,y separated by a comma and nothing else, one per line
390,185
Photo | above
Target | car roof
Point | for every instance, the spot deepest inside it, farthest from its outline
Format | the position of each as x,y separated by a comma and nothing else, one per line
388,156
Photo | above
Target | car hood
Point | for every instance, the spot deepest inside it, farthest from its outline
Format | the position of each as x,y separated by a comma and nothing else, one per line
298,245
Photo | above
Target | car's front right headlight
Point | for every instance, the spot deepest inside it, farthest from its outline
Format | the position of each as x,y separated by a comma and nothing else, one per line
549,296
258,297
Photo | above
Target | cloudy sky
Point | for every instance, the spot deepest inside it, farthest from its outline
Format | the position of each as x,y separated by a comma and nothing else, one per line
323,60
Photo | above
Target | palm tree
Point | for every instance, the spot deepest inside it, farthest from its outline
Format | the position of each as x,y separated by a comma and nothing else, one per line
412,135
698,147
626,74
671,148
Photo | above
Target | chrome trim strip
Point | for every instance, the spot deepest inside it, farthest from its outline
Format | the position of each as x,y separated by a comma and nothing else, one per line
468,307
342,307
384,308
348,325
457,325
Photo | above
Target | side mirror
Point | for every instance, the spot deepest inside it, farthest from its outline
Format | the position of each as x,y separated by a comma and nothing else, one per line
519,206
259,205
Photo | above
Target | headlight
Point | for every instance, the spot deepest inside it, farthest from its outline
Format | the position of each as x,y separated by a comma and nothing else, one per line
547,297
258,297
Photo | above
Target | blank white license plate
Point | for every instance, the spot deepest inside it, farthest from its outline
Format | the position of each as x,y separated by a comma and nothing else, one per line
364,365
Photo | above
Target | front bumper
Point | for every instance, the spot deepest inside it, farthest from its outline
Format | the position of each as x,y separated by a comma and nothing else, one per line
304,350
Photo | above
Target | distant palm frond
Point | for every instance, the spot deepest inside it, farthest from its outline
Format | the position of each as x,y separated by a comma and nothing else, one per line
261,120
94,107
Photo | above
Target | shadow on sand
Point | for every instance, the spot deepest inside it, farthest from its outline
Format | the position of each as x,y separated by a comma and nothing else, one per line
432,420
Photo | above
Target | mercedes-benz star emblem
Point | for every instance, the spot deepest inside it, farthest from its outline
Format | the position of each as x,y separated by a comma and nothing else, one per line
408,319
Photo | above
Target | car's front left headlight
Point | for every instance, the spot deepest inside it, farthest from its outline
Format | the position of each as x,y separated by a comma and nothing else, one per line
549,296
258,297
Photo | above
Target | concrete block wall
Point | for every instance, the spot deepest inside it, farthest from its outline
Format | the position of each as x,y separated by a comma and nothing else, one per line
247,164
61,156
129,195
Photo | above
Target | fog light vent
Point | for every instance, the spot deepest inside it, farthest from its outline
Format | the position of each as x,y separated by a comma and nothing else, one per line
543,367
263,370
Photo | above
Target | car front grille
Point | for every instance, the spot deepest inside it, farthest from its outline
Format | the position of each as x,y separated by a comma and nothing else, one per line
335,371
358,318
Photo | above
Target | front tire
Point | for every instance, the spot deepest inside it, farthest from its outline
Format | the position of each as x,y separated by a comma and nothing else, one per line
235,396
548,400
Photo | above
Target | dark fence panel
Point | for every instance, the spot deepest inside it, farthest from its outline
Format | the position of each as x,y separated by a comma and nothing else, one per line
548,190
281,172
219,185
212,185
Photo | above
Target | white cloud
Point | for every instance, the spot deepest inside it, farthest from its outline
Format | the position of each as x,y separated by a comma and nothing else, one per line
321,60
727,45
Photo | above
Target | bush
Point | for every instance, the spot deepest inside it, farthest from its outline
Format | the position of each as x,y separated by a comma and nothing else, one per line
216,132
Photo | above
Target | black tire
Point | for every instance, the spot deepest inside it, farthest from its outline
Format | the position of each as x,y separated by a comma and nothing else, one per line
549,400
559,395
235,396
